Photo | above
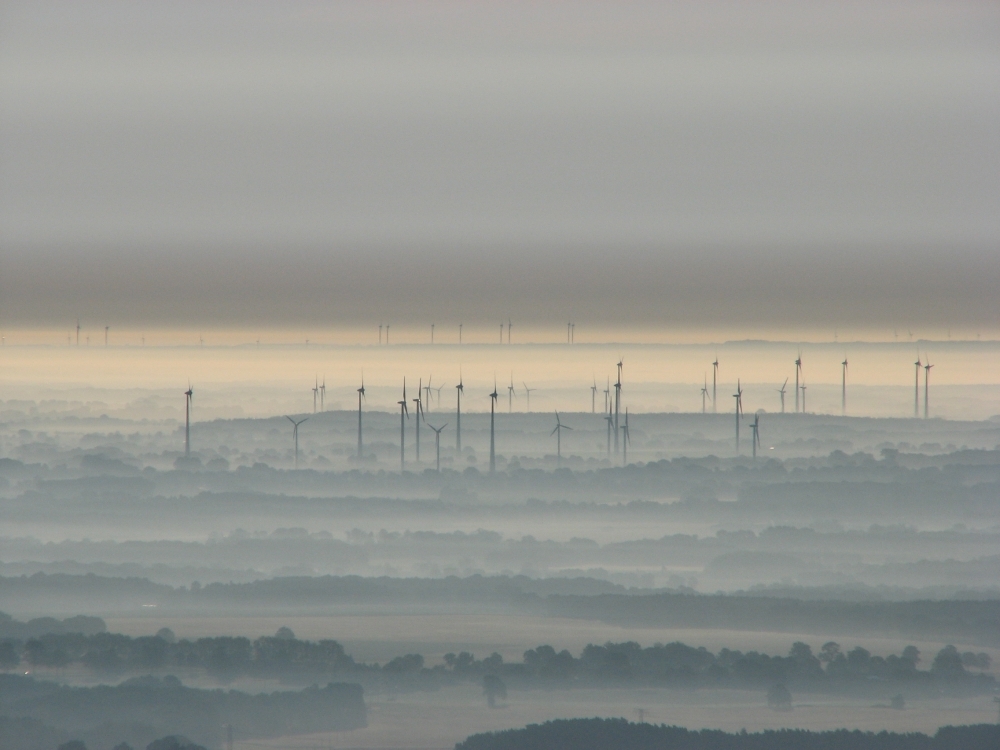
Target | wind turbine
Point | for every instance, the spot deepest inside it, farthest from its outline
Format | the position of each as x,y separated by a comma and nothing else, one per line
361,397
715,377
420,414
509,326
404,414
803,395
916,388
927,382
756,434
527,396
427,392
626,440
739,412
510,394
557,431
618,401
295,436
610,420
315,393
607,395
437,442
459,390
782,392
187,419
322,395
437,400
78,332
798,372
593,397
843,387
493,455
704,394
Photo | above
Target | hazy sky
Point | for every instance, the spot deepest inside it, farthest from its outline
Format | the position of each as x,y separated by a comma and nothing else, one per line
223,163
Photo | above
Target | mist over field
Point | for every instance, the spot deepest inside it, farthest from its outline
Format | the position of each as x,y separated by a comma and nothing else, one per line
499,376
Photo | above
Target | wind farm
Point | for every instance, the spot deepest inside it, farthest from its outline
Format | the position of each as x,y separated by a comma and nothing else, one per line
323,218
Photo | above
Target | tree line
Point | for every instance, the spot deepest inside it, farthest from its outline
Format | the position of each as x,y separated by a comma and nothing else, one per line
619,734
285,656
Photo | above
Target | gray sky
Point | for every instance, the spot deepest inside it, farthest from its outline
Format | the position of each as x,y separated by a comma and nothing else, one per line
693,163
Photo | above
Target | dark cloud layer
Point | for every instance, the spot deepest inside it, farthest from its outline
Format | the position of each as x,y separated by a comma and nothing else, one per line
209,163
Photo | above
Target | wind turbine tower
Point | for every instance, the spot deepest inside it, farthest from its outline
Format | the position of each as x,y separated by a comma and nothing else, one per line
756,434
420,414
739,412
916,388
798,372
322,395
557,431
493,455
187,420
437,442
361,397
404,414
610,420
295,437
782,392
704,394
618,401
78,332
626,440
593,397
315,394
927,382
715,377
510,394
527,396
843,387
459,390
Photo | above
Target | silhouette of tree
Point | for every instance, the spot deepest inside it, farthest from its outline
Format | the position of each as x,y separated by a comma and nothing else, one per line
493,688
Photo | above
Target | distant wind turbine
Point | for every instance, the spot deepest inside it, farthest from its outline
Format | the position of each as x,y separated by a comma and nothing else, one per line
782,392
427,393
404,414
557,431
527,396
755,427
739,412
618,401
916,388
361,397
803,386
459,390
626,439
704,394
315,394
295,436
798,373
511,394
493,455
437,442
593,397
715,377
78,332
322,395
607,395
187,419
927,383
611,421
509,326
843,387
420,415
